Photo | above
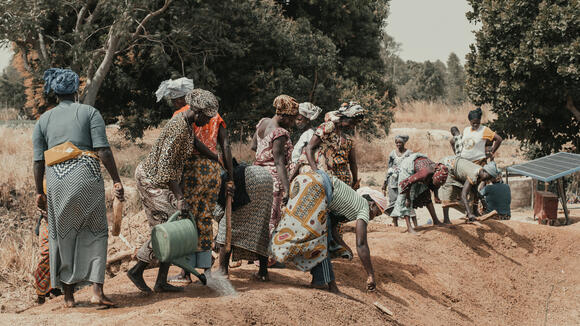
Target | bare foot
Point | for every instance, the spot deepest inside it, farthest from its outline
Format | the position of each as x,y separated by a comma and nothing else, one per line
166,287
412,231
260,278
180,278
102,300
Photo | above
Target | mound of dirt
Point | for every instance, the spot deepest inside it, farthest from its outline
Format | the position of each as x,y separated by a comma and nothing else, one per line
491,273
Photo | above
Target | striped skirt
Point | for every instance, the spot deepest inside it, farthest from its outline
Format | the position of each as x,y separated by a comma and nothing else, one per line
77,222
250,223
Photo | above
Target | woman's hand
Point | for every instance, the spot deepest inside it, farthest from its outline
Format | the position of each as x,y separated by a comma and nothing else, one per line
407,202
183,206
230,188
371,285
119,191
41,201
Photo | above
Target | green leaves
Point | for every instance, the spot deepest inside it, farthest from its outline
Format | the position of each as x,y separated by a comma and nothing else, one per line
525,63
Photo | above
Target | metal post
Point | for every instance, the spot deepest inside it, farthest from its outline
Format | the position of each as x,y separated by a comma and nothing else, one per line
562,195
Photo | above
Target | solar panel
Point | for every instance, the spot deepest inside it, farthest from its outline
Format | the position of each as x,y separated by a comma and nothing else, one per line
549,167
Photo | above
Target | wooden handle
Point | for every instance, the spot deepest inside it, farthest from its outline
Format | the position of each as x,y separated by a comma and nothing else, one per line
229,200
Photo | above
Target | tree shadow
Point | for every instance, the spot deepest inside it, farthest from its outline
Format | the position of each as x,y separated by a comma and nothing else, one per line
389,271
478,244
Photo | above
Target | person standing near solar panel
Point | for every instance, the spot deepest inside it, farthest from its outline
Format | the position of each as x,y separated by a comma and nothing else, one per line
464,176
479,142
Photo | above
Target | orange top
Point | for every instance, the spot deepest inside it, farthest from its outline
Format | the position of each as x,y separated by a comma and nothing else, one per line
207,134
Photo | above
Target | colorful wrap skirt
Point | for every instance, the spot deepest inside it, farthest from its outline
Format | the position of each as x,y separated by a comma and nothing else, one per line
300,240
42,272
201,187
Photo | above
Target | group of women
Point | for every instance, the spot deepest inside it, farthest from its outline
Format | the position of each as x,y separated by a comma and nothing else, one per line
412,177
287,206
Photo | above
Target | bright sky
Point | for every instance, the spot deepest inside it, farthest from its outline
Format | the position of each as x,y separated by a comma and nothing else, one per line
429,29
5,56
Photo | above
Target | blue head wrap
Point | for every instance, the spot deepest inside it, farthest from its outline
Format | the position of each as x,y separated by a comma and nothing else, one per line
61,81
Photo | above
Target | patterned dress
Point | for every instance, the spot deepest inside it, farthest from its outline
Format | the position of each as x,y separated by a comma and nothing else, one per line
201,182
393,176
332,156
419,193
265,158
301,238
163,165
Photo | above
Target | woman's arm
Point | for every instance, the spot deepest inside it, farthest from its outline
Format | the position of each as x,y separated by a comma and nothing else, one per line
106,156
315,141
496,143
278,150
38,170
353,166
362,248
226,151
255,141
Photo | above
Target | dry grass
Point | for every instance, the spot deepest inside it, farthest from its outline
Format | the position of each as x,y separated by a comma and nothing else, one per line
8,114
421,114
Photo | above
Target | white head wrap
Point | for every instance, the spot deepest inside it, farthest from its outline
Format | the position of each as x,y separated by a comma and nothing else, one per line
309,110
175,88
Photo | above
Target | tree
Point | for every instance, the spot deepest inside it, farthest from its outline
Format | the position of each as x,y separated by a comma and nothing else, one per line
525,63
455,80
246,52
12,88
86,35
356,27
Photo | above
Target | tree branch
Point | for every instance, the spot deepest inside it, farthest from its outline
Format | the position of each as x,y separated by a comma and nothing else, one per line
42,46
572,108
93,14
80,17
149,16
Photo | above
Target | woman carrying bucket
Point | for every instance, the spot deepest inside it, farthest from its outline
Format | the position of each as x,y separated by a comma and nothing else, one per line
158,182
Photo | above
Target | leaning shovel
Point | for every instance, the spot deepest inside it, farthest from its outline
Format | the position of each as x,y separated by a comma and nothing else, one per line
229,200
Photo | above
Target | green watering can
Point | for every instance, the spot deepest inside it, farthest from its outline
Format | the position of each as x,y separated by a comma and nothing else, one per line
175,241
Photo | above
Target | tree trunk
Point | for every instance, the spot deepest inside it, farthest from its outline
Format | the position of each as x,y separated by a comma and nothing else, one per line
94,84
572,108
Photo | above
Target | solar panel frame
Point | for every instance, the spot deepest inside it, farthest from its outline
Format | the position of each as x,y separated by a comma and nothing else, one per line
548,168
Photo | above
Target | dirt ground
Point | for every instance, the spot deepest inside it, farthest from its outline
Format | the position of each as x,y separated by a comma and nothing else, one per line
489,273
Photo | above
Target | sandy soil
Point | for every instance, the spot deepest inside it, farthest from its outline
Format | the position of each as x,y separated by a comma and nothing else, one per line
490,273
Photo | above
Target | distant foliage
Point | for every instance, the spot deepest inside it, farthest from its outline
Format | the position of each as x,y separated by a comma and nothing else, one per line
526,64
12,89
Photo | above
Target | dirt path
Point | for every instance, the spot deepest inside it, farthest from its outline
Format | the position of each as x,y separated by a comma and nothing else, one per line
495,273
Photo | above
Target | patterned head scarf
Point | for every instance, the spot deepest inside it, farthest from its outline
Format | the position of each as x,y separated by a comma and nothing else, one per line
309,110
475,114
403,138
286,105
351,110
203,101
61,81
440,175
376,196
174,88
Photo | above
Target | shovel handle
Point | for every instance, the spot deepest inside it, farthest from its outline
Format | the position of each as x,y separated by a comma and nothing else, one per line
229,223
